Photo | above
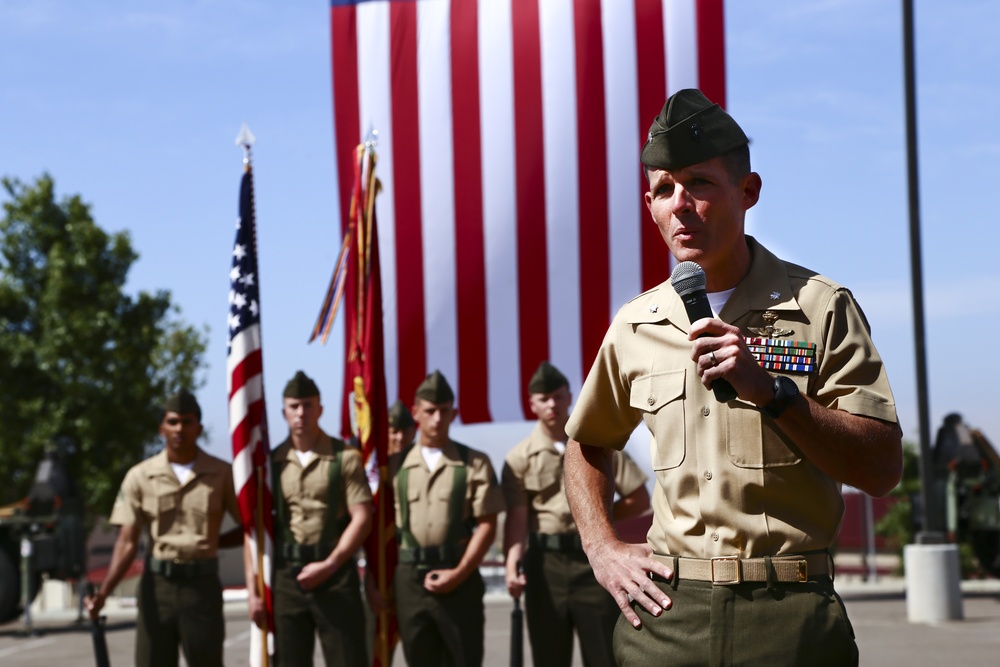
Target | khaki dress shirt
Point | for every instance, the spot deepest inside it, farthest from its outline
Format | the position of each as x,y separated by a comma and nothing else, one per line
183,519
728,481
429,493
305,488
533,476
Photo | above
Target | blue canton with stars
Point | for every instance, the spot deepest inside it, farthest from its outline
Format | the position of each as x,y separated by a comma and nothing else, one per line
244,292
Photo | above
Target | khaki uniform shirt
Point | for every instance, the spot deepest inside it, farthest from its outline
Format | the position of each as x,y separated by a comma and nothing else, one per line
183,519
305,488
728,481
533,476
429,493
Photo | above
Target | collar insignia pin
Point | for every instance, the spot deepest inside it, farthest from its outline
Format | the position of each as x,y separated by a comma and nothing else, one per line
654,307
775,296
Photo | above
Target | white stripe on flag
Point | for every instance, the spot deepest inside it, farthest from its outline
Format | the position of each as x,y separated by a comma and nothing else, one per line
496,97
626,212
437,197
681,30
562,193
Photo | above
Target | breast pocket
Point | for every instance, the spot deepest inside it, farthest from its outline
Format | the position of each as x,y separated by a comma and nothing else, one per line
660,398
754,439
164,509
202,503
541,481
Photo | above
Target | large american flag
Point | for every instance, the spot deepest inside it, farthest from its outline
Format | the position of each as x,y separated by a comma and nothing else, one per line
512,221
247,416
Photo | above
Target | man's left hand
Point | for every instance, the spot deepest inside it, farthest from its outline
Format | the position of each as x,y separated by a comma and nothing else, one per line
722,353
443,581
314,574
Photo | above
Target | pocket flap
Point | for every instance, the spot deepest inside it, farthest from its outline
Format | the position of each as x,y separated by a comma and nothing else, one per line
651,392
540,480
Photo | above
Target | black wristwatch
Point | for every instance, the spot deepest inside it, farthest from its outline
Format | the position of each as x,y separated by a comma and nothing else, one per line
785,393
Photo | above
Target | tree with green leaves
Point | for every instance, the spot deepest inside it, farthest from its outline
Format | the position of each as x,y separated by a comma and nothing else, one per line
84,366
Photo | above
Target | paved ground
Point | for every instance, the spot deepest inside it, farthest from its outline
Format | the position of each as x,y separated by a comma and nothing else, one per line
878,612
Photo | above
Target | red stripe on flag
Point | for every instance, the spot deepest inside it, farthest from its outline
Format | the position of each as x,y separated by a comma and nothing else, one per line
251,365
529,164
411,332
592,170
712,50
651,66
470,260
243,431
344,63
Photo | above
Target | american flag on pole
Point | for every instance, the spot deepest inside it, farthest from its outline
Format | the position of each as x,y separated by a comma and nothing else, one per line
512,221
247,416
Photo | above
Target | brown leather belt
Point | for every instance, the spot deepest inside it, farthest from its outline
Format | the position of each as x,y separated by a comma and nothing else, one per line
730,570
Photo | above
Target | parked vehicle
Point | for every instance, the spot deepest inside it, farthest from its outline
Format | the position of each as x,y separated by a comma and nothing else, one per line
42,534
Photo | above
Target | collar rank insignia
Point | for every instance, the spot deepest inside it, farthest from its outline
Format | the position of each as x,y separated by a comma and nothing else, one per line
653,308
769,330
783,355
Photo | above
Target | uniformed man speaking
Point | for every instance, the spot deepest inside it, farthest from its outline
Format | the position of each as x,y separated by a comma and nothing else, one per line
561,593
447,501
323,508
180,495
748,499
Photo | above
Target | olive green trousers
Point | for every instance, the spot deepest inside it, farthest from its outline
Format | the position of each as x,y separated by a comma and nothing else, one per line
187,612
333,611
562,595
746,624
443,630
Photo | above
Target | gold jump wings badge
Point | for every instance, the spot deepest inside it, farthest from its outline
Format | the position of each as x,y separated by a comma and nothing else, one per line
769,330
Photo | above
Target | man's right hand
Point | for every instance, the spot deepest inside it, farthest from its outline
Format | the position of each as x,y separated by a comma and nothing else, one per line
516,581
258,614
94,603
623,570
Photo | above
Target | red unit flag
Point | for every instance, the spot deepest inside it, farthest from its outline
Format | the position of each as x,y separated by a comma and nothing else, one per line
358,279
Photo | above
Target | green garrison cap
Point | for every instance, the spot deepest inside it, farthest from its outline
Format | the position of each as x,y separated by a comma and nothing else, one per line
400,417
546,379
301,386
183,403
690,129
435,389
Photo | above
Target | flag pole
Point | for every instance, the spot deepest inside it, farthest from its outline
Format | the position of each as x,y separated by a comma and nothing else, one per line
245,140
261,592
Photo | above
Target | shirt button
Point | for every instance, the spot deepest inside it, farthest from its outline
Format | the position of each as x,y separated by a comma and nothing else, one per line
705,410
715,537
650,400
708,474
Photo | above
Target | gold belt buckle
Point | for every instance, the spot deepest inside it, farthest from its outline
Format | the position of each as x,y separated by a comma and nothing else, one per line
737,578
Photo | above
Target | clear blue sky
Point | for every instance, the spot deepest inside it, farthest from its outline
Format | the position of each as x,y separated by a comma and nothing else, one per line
135,106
